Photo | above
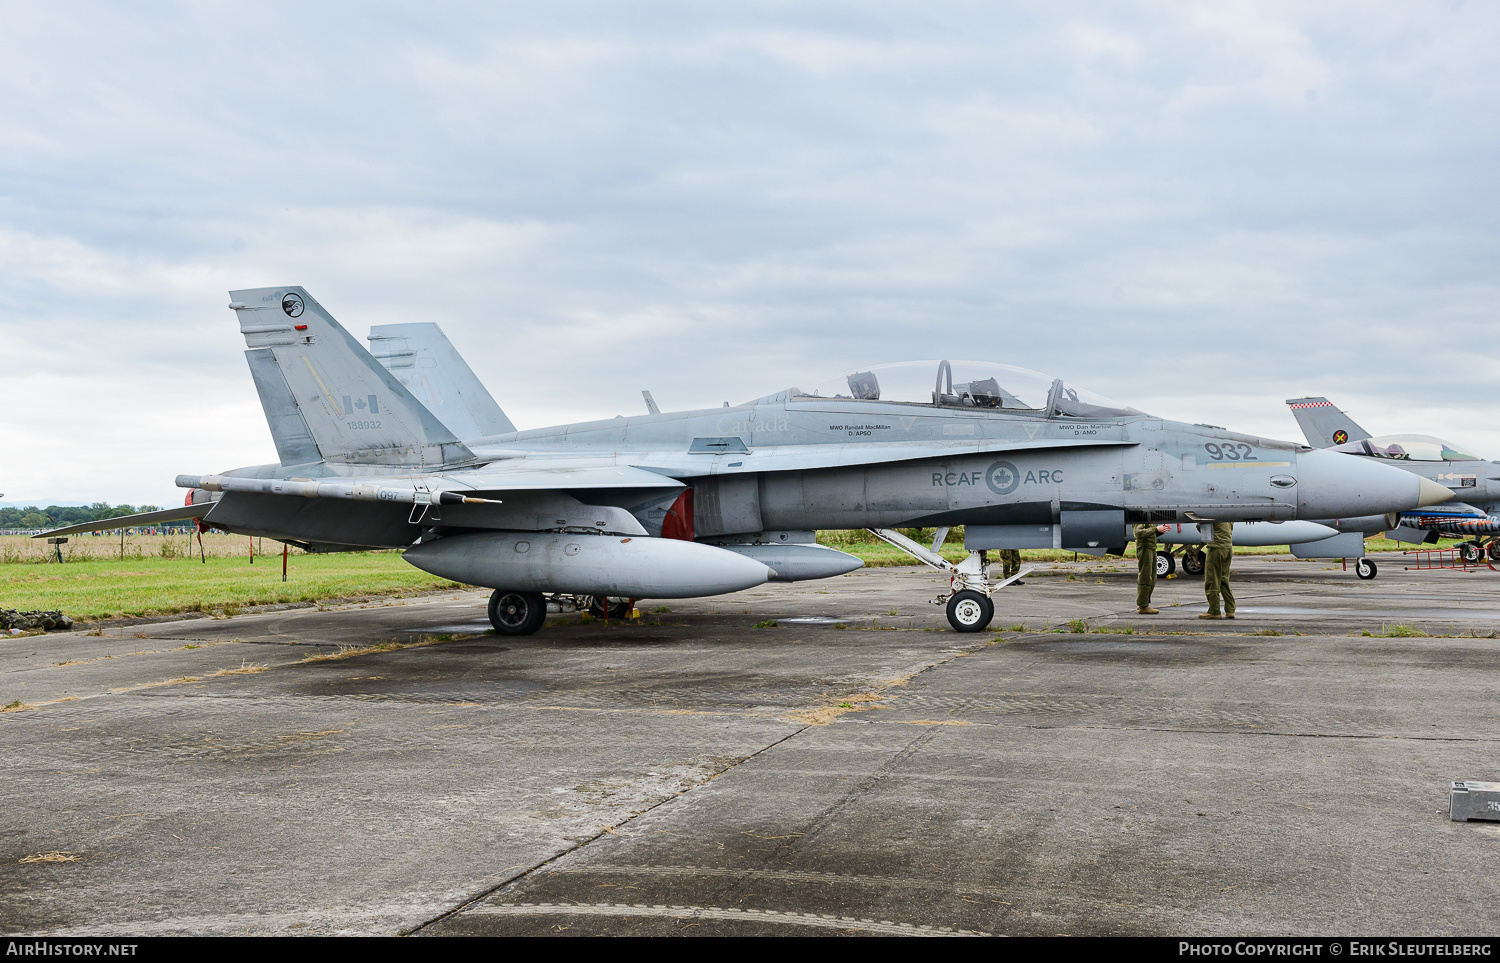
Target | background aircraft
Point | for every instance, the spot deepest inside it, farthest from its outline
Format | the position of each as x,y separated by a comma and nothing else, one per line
704,502
1474,482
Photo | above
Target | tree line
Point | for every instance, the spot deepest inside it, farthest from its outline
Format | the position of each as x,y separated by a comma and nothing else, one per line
58,516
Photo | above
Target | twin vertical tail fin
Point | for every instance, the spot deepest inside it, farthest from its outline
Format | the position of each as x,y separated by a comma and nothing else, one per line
1324,425
425,361
327,398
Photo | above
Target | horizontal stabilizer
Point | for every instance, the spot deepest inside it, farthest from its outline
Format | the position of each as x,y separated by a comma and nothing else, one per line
342,402
139,520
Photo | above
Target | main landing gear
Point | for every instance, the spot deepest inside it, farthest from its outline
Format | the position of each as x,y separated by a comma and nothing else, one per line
1475,552
1165,564
609,608
522,613
1192,562
517,613
970,608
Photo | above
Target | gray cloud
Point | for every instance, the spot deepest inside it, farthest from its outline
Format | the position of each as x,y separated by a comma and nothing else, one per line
1201,209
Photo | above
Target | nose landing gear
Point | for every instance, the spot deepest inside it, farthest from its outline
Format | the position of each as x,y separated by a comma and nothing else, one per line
969,606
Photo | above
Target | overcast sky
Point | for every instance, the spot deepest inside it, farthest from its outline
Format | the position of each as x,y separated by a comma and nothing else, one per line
1198,209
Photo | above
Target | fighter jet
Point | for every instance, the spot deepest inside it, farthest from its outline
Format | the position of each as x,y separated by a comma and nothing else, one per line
704,502
1468,477
424,360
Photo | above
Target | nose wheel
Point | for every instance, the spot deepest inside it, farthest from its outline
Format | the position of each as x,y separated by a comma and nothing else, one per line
1365,568
968,603
970,611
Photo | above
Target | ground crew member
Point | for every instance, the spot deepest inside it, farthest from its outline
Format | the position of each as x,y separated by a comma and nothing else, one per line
1216,572
1145,560
1011,559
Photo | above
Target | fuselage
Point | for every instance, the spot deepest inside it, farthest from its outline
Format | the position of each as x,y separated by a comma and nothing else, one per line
848,464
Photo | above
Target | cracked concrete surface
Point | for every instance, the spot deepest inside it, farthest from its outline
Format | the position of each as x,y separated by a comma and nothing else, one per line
693,774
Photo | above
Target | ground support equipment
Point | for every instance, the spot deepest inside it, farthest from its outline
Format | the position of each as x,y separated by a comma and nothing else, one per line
1446,558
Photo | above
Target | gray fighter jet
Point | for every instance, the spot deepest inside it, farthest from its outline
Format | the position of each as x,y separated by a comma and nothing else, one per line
425,361
1472,480
695,503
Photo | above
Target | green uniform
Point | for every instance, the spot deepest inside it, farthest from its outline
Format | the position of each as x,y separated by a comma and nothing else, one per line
1216,568
1011,558
1145,560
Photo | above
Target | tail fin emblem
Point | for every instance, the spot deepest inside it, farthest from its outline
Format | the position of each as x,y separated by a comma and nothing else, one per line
1340,436
292,305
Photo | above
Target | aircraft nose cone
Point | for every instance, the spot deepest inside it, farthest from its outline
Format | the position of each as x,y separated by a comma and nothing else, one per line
1431,493
1331,484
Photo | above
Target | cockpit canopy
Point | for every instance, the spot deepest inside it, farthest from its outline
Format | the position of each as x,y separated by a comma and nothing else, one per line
1407,448
960,384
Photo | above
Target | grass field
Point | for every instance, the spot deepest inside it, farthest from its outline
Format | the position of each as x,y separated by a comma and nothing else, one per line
107,588
154,575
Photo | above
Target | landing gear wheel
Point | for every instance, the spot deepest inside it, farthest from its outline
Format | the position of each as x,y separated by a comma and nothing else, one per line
1493,551
1365,568
618,608
969,611
517,613
1470,552
1165,565
1192,564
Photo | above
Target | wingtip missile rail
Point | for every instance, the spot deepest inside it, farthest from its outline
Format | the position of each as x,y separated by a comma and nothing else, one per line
335,489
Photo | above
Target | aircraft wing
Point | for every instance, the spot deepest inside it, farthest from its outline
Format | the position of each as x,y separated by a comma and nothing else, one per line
392,510
572,471
497,478
140,519
528,491
804,457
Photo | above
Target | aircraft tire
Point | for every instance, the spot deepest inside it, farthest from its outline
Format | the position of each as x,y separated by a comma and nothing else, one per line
969,611
1191,567
1470,552
517,613
1165,565
1365,568
1493,551
618,608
